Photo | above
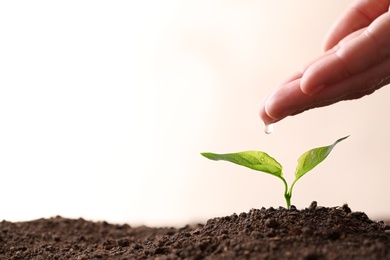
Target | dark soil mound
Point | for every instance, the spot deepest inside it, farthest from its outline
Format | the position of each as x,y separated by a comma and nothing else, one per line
312,233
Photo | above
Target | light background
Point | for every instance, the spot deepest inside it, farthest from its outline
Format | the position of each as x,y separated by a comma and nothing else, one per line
106,105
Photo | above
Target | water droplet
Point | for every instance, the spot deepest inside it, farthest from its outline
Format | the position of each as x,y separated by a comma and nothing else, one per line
269,128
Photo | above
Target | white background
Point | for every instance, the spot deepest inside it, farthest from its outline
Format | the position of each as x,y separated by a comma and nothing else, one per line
106,105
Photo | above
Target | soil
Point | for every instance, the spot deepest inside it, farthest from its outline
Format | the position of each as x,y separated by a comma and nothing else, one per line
311,233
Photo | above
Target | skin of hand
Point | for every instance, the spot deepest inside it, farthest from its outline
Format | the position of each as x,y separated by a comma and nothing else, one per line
356,62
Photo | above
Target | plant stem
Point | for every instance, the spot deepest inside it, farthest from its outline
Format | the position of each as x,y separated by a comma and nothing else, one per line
287,196
288,200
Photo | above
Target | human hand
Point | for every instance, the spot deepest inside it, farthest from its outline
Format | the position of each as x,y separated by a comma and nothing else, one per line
356,62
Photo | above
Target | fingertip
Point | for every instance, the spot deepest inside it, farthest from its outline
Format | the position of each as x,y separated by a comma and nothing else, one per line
328,43
327,46
264,114
312,90
265,117
308,85
272,111
305,85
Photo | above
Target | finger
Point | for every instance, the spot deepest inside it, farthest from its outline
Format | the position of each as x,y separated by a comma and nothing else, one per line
299,74
263,114
360,14
284,101
358,54
267,118
290,100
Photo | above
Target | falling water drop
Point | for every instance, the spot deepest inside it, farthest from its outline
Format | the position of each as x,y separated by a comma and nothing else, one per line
269,128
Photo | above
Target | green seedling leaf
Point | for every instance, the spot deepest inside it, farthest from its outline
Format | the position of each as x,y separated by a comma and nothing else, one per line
255,160
308,161
313,157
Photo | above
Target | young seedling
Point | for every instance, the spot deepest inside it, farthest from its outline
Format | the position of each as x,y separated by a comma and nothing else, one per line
261,161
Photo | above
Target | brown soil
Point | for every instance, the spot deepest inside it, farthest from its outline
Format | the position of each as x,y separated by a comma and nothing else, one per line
311,233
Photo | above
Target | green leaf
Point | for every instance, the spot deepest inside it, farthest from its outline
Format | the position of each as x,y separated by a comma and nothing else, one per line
255,160
313,157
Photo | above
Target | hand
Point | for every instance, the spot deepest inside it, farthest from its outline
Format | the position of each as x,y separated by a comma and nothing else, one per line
356,62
